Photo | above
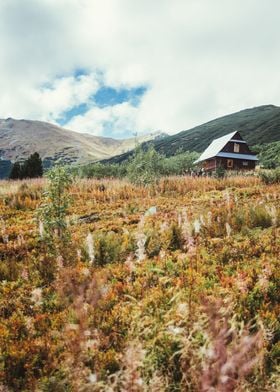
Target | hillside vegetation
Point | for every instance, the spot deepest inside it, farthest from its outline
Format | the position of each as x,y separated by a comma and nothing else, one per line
20,138
142,168
114,287
257,126
269,154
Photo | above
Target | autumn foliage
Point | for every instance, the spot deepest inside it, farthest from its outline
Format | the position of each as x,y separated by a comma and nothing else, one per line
168,287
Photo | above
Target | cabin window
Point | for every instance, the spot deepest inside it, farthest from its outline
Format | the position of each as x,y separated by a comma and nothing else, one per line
236,147
230,163
245,163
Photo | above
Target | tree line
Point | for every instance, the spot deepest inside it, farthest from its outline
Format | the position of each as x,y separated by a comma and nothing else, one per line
143,167
32,167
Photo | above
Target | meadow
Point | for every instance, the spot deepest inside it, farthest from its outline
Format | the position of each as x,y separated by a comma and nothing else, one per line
168,287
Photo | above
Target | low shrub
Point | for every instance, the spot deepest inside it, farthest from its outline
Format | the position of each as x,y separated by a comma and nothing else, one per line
270,176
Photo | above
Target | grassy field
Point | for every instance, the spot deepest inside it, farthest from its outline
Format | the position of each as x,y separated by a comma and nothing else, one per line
171,287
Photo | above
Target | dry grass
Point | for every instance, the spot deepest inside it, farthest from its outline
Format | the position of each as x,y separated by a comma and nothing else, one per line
133,302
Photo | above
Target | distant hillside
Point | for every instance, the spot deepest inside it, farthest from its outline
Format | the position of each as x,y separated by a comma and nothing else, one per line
20,138
257,125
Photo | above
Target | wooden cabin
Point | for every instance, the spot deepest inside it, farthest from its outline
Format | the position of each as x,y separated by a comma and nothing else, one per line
229,152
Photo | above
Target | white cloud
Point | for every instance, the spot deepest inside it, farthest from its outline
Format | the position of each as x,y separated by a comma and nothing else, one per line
200,59
65,93
119,119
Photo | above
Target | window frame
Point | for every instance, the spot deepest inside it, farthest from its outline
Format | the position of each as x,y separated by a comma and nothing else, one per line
236,147
230,163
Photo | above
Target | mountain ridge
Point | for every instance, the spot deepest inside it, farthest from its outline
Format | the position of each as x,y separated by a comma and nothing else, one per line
20,138
257,125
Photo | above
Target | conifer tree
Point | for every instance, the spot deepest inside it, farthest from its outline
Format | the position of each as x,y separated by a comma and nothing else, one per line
32,167
15,171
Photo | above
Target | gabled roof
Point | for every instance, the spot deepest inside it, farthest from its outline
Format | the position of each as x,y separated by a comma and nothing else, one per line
217,145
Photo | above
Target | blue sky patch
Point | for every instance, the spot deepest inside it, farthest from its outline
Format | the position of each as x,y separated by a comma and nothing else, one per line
80,72
105,96
108,96
74,111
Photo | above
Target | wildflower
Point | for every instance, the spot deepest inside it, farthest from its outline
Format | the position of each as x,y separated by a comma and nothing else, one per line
129,263
140,251
197,226
264,278
191,247
163,227
231,360
182,309
273,214
179,220
90,246
20,240
72,327
36,296
91,344
24,274
186,226
92,378
224,379
41,229
241,283
59,261
210,353
139,381
209,218
104,290
151,211
132,362
227,197
29,325
85,272
263,282
5,238
228,229
175,330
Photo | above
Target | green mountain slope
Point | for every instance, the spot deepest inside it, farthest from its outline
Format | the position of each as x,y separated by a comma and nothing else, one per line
269,154
257,125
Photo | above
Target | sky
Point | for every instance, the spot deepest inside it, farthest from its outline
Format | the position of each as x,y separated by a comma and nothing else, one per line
117,67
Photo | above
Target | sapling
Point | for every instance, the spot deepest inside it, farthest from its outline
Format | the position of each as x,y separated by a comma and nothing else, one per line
54,208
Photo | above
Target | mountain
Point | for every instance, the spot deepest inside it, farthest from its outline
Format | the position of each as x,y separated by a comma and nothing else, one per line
257,126
20,138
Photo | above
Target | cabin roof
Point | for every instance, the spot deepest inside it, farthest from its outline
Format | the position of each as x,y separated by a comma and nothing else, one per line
237,156
217,145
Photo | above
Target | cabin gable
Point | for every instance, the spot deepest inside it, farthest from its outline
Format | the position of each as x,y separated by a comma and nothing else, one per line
230,152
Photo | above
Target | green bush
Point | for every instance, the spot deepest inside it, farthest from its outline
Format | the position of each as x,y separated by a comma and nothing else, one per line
259,217
220,172
145,166
270,176
107,248
100,170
